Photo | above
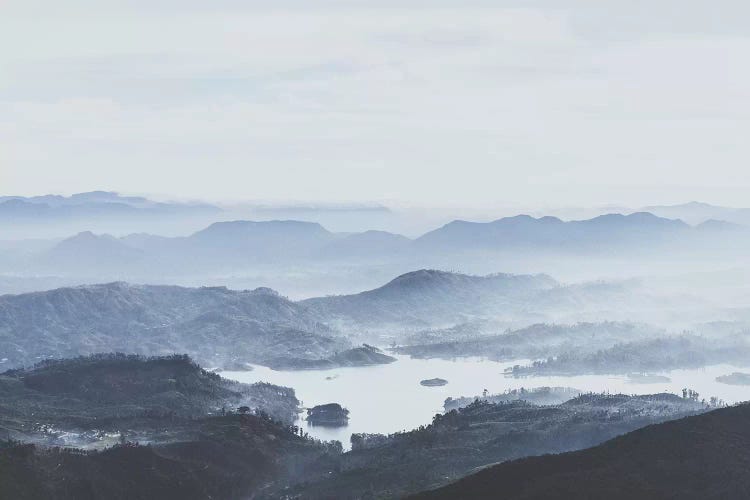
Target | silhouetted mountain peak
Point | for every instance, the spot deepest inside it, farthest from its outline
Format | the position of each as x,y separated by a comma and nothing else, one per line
245,228
422,278
717,225
523,219
87,248
642,218
376,236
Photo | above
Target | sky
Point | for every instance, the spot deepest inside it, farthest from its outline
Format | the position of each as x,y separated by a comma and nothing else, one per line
471,102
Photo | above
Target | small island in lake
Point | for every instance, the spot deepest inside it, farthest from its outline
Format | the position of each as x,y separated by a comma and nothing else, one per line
736,378
433,382
647,378
328,415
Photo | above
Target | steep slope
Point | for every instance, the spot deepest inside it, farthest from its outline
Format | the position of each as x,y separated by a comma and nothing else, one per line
701,457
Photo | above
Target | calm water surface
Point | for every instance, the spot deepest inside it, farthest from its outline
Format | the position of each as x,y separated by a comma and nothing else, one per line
389,398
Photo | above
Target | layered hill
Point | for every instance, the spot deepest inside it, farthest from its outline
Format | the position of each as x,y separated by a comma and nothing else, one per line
269,240
550,233
458,442
93,204
92,252
87,416
51,400
704,456
428,297
533,342
216,326
243,244
224,328
367,245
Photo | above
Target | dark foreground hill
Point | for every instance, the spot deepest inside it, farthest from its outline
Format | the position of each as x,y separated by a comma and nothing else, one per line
60,402
70,430
205,437
458,442
701,457
222,457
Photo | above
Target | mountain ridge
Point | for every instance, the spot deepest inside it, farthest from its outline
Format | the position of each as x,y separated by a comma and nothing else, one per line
703,456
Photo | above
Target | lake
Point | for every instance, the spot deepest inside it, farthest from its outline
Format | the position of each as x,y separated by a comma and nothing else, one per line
388,398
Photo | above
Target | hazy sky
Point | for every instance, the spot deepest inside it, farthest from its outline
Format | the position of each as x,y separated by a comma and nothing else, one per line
433,102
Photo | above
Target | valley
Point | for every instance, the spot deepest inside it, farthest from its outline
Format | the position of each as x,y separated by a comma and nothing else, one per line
222,392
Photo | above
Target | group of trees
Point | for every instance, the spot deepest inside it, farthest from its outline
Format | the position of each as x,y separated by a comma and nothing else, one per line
713,401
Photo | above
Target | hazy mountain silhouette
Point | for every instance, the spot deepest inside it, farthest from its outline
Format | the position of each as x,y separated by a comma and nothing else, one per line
369,244
551,233
88,251
696,212
94,204
227,246
249,239
693,212
220,327
427,297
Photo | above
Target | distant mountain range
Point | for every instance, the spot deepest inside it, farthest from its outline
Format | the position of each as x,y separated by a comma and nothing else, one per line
232,245
54,216
696,212
221,245
112,205
605,233
93,204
